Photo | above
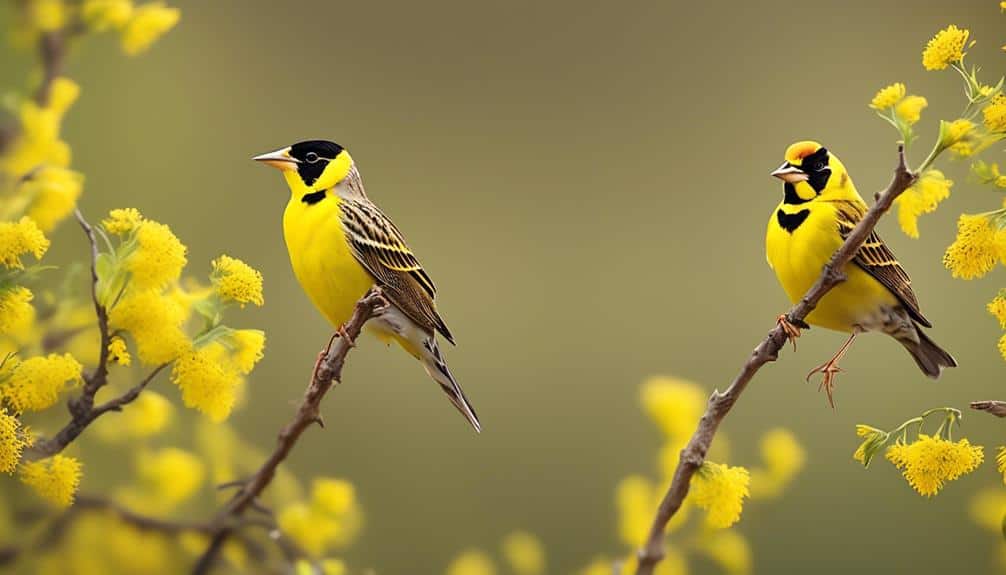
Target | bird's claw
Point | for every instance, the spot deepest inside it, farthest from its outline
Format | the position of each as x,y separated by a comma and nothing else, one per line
791,330
829,372
345,336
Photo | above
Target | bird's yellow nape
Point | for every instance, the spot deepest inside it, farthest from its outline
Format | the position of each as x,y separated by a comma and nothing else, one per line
800,150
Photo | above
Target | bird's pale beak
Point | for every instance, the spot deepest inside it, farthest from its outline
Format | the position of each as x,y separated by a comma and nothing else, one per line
279,159
790,173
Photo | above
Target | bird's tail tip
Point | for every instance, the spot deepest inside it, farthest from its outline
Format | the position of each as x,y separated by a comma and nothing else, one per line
438,370
931,358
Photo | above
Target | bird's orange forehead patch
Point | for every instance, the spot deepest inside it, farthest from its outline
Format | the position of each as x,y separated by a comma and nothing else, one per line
800,150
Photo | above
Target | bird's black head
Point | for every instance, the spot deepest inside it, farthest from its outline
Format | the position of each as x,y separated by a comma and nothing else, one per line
313,157
312,165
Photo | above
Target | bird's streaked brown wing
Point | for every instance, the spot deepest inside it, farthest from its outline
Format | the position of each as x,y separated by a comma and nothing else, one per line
876,259
380,248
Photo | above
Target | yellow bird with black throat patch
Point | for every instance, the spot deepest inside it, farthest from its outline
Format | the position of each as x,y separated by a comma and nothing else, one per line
341,245
820,207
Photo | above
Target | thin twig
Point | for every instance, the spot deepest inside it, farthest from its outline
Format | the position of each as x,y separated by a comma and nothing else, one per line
996,408
329,371
693,455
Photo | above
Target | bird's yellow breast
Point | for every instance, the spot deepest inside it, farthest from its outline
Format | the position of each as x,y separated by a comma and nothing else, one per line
322,258
798,256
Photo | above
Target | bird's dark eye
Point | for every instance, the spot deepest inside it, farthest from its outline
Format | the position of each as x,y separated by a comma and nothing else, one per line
311,157
818,166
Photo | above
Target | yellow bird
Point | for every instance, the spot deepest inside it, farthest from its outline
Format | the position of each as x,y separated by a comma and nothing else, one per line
820,207
341,245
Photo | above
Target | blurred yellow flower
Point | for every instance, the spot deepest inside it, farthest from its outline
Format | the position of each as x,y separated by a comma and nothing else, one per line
1002,346
331,519
997,307
47,15
636,500
946,48
122,221
148,23
117,352
53,191
674,404
248,345
12,441
333,567
471,562
54,479
910,109
929,462
1001,462
172,475
36,383
994,114
959,136
728,549
19,238
977,248
147,415
16,311
720,490
783,456
155,322
524,553
236,281
923,197
889,96
208,383
333,496
988,508
158,258
101,15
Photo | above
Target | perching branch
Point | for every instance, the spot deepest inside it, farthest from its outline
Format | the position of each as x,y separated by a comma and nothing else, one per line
83,411
693,455
328,371
996,408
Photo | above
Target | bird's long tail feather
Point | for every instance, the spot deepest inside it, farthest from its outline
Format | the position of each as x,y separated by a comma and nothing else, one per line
932,359
435,365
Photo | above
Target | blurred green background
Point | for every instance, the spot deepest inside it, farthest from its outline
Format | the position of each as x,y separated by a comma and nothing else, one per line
587,182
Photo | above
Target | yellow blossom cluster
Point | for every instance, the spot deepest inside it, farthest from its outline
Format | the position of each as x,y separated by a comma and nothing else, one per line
36,383
946,48
979,245
19,238
146,25
523,554
929,462
997,307
923,197
54,479
13,440
720,490
16,311
783,458
149,414
118,353
888,96
236,281
994,115
170,475
331,519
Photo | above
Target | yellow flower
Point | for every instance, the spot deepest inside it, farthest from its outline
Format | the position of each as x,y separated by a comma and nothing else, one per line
148,23
155,322
977,248
728,549
674,404
333,567
525,553
636,498
236,281
910,109
333,496
122,221
720,490
1002,346
47,15
12,441
173,475
1001,462
995,114
104,14
117,352
471,562
159,256
54,479
18,238
208,383
53,191
247,348
997,307
16,311
35,384
945,48
988,507
146,416
783,457
930,462
959,136
922,198
888,97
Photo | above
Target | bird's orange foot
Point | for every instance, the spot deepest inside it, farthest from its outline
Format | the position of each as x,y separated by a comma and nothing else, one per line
345,336
829,372
792,331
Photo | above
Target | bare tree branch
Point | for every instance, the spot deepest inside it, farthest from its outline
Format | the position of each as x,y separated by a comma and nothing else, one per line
996,408
328,371
694,453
